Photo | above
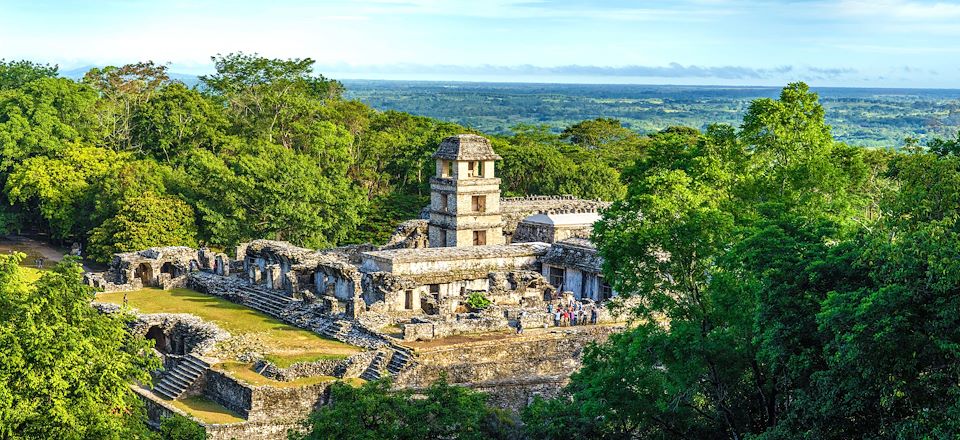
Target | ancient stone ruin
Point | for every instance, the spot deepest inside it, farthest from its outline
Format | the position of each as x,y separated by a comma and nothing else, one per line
406,305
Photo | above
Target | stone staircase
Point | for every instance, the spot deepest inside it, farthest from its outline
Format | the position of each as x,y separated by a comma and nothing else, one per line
269,301
337,329
399,360
177,380
375,369
398,357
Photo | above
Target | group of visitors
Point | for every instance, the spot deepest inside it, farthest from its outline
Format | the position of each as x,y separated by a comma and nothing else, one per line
573,313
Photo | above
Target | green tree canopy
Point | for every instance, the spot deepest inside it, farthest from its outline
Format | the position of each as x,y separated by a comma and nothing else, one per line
144,220
65,368
375,411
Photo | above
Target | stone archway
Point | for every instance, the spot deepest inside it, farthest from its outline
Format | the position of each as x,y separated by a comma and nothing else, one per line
171,269
145,272
160,340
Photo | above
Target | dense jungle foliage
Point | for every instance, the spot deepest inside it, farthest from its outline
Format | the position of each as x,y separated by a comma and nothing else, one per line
127,158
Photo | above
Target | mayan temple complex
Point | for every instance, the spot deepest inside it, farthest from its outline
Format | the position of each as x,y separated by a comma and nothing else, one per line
402,309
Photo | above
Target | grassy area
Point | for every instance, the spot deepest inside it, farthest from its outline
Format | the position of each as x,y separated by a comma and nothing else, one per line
207,410
245,372
283,342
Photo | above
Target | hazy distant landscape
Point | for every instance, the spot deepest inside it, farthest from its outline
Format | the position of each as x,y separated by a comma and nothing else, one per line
858,116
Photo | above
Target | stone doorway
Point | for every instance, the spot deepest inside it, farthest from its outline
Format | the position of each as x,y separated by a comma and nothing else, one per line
145,273
160,340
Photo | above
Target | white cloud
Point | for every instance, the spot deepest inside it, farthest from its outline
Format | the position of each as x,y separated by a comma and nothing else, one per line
900,9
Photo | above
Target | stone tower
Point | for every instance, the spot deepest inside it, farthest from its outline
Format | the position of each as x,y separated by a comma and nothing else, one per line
465,195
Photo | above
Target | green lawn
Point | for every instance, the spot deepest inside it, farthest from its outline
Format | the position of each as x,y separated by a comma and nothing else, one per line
207,410
285,343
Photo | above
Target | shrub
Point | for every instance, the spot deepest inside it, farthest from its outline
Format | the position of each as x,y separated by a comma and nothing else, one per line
477,301
181,428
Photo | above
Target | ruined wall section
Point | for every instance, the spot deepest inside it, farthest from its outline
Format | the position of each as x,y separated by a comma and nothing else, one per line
515,209
537,363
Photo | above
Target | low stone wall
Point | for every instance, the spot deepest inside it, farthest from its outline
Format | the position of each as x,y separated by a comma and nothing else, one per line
323,367
532,363
516,394
264,403
460,324
274,428
357,363
271,403
262,430
229,392
154,409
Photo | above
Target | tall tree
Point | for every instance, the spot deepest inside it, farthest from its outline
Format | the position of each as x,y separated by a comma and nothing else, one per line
16,74
270,99
65,368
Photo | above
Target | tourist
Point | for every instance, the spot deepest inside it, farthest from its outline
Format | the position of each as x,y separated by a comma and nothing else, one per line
593,314
573,316
523,314
556,318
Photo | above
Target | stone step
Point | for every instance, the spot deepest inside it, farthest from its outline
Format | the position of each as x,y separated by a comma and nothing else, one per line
193,369
176,385
164,392
268,293
178,379
266,300
171,388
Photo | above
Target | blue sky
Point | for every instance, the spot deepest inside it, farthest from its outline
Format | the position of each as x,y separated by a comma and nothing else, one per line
863,43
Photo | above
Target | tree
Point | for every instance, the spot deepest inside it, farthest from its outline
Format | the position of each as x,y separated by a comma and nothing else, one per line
788,287
267,191
175,121
145,220
617,145
123,90
65,368
45,117
178,427
375,411
59,185
270,99
16,74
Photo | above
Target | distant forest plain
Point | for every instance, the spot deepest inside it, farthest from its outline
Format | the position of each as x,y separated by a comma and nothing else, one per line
881,118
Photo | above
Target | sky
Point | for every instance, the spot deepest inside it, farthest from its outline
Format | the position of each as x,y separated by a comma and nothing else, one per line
853,43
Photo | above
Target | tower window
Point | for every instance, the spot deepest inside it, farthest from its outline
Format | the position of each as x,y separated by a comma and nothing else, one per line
443,202
446,168
475,169
479,238
478,203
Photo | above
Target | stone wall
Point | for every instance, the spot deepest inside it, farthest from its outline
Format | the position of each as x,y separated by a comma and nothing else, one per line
262,430
323,367
459,324
516,394
539,362
264,403
229,392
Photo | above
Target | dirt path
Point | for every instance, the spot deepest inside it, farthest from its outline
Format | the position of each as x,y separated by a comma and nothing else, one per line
34,249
